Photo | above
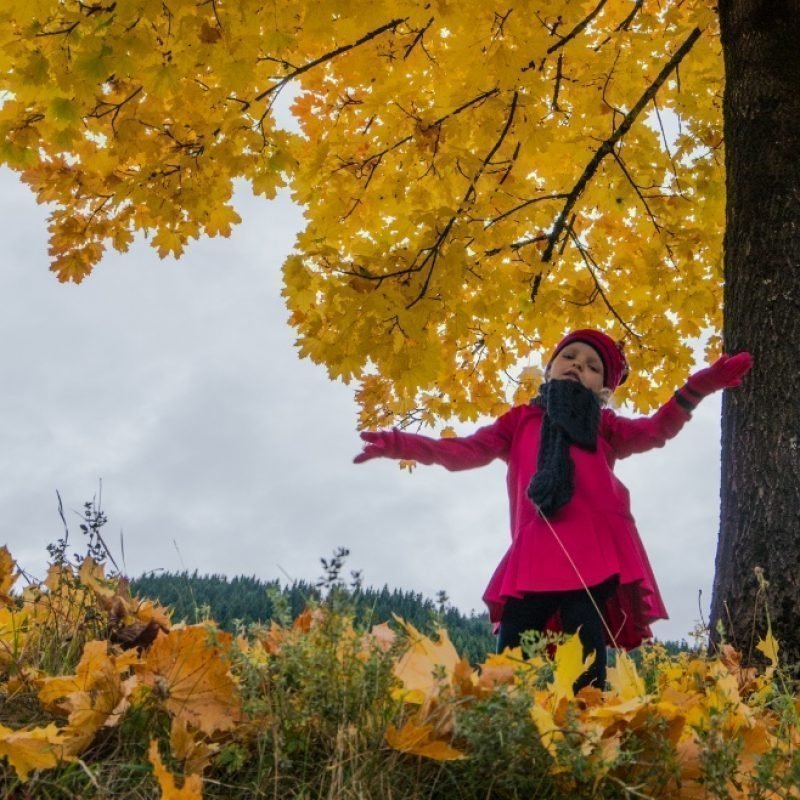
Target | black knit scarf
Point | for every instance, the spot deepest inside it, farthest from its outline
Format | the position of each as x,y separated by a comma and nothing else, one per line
572,416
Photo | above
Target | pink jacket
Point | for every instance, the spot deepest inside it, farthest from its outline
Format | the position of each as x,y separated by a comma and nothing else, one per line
595,528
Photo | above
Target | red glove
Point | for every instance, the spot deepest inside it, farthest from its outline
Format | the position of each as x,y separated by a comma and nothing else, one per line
377,446
725,373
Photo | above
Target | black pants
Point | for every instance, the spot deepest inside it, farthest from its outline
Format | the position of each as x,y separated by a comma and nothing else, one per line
577,612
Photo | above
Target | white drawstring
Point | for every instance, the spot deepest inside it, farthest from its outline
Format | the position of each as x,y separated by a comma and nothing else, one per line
611,636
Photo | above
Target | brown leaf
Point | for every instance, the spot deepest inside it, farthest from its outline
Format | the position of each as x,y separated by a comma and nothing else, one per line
210,34
138,634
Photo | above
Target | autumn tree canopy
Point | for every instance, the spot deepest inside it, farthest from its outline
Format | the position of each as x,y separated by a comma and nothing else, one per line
477,176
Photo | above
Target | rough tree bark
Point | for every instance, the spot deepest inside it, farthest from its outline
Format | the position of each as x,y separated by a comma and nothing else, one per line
760,513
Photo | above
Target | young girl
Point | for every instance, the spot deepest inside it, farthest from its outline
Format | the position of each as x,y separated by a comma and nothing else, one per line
576,562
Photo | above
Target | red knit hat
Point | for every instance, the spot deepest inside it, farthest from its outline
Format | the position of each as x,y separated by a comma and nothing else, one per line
615,366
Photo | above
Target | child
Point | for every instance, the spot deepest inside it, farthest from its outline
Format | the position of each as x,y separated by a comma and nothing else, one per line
576,561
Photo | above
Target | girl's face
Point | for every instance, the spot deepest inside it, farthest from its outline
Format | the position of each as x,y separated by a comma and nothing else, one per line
579,362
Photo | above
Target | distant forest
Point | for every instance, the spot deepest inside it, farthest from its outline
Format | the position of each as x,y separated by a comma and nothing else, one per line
242,601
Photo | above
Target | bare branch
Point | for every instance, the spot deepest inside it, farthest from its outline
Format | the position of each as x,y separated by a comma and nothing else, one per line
499,23
61,32
625,24
637,189
542,237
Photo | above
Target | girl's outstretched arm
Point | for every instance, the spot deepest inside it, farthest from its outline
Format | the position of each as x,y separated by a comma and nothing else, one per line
628,436
463,452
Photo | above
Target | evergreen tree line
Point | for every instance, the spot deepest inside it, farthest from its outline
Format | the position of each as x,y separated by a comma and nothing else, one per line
246,600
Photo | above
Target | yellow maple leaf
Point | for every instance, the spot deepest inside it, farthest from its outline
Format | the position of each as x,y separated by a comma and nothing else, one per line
426,665
569,665
7,575
92,576
417,739
34,748
624,678
192,788
94,697
13,632
769,647
220,219
549,732
187,671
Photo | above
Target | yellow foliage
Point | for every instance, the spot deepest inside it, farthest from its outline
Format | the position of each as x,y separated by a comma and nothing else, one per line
192,673
457,218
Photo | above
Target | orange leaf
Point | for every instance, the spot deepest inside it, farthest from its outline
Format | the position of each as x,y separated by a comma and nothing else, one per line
189,673
416,740
94,697
192,788
92,576
383,635
185,747
7,575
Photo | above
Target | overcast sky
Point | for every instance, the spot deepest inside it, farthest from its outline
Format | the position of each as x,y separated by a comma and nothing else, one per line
177,384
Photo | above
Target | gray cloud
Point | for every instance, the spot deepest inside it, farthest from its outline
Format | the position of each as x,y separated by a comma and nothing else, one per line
177,383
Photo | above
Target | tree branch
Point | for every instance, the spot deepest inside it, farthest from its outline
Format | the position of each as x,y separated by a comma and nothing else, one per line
418,39
525,204
608,145
389,26
468,196
578,28
463,107
591,265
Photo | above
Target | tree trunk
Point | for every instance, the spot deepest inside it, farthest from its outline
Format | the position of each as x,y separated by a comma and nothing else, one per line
760,517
